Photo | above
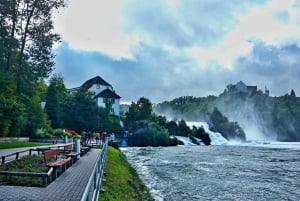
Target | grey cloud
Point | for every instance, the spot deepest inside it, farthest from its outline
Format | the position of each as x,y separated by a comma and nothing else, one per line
189,23
276,67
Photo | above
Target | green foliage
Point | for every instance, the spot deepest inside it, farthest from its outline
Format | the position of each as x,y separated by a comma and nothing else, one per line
35,118
26,58
277,116
59,132
80,112
152,135
55,95
11,117
140,111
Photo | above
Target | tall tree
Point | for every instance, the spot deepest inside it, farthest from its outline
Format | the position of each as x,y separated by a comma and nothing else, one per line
55,95
26,40
81,112
27,35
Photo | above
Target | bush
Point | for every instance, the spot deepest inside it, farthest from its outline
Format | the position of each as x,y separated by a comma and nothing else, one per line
149,136
59,133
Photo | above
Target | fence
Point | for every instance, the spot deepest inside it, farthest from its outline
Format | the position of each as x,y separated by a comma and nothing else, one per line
93,188
15,156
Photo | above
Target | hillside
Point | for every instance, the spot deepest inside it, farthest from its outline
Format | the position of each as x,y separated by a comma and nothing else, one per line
261,116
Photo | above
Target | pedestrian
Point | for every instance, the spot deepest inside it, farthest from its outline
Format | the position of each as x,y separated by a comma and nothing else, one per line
97,137
103,137
89,137
112,137
94,137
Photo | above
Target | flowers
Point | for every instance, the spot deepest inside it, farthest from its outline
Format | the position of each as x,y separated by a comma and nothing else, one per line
74,134
77,136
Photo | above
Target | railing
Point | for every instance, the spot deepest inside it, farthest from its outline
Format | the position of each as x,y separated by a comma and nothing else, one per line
93,188
17,155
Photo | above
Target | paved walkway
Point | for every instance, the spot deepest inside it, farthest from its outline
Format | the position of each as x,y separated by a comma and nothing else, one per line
67,187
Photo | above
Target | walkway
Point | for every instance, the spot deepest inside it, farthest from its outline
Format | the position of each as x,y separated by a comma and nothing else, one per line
67,187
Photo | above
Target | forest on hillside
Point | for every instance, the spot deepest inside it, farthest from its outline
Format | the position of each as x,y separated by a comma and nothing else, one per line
275,118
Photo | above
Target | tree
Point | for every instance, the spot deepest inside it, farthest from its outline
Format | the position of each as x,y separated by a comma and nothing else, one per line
26,58
81,112
27,37
183,129
293,94
55,95
139,113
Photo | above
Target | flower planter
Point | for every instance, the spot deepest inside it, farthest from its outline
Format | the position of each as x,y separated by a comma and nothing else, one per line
66,139
77,145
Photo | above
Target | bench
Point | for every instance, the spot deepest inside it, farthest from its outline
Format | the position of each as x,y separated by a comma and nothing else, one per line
68,151
57,162
84,148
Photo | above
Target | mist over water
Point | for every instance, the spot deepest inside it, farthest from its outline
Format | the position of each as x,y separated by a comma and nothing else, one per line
223,172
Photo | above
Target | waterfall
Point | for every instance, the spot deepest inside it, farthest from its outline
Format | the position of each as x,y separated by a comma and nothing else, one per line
216,138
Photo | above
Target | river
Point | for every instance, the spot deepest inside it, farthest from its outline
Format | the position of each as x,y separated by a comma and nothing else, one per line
221,172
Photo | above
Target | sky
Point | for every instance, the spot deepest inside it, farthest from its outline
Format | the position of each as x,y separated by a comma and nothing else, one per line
164,49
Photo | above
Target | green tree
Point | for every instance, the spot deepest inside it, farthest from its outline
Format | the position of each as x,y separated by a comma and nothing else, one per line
27,34
183,129
139,114
55,95
81,112
26,58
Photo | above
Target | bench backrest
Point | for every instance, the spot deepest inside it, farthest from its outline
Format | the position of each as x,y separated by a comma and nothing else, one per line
68,147
51,153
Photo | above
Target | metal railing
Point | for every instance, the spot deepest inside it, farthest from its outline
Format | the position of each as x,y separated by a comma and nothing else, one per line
93,188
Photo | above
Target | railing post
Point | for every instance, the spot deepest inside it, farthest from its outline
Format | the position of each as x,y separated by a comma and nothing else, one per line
3,160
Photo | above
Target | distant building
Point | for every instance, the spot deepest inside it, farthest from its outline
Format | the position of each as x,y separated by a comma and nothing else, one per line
124,108
103,93
241,87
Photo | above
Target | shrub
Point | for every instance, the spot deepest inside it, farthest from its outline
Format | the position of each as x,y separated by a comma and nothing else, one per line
149,136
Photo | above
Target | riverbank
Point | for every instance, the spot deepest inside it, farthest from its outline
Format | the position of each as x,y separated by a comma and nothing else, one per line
122,181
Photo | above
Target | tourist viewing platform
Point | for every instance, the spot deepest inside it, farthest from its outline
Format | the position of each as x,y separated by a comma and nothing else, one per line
80,181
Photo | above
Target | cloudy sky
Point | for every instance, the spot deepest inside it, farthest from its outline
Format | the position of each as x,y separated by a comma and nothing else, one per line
163,49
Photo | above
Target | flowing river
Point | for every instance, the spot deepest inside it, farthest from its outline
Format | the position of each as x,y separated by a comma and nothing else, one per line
224,172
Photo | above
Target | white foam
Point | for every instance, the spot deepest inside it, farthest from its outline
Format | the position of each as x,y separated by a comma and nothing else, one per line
216,138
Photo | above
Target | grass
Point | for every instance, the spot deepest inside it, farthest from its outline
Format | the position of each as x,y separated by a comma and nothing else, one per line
8,145
122,181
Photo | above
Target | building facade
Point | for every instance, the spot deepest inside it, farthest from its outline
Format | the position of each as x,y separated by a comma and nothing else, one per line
103,93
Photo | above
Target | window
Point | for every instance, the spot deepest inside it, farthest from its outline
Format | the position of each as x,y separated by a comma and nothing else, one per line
97,86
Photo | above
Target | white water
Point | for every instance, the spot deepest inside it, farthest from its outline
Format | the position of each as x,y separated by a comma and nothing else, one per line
192,173
216,138
185,140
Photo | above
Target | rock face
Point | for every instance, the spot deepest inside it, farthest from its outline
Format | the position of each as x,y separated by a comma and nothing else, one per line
229,130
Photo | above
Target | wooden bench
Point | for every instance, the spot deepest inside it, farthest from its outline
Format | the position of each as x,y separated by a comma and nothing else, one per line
84,148
57,162
68,151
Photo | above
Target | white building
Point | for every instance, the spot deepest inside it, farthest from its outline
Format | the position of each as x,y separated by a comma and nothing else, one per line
103,93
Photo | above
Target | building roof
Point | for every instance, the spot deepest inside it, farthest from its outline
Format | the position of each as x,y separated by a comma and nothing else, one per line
107,93
95,80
